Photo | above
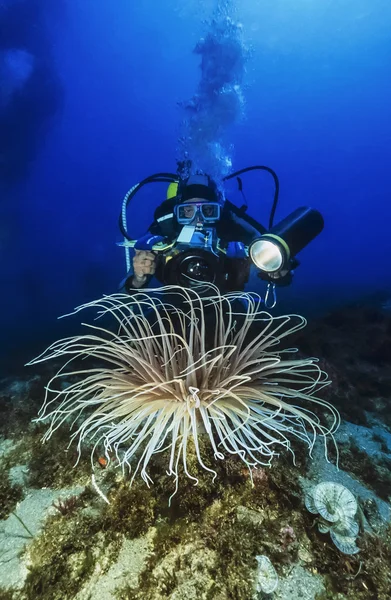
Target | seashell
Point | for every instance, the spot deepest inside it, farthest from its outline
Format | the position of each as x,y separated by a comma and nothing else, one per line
309,503
346,527
345,544
267,578
334,502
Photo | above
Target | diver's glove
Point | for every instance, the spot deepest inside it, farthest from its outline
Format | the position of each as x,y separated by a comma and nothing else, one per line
148,241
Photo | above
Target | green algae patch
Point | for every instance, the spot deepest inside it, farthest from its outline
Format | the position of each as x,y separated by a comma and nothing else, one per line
186,571
131,510
211,553
10,494
63,557
188,497
9,594
53,463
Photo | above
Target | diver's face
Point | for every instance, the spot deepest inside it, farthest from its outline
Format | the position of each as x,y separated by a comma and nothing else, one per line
189,211
197,211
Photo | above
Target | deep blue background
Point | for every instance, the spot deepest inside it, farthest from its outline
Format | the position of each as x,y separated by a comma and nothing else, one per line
318,92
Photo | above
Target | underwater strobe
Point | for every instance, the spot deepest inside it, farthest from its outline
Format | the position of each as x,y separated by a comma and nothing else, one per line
199,252
275,251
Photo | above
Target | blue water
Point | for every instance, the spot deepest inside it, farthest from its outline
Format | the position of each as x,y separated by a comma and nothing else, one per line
307,86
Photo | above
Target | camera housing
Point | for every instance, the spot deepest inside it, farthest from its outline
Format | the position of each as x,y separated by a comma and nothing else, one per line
197,257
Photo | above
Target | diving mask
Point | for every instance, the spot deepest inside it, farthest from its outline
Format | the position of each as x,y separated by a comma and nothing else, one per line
206,212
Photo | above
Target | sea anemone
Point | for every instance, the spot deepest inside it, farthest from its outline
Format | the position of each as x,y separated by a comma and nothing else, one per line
177,365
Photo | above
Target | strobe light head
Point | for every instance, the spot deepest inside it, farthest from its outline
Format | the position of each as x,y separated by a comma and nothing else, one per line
268,254
274,252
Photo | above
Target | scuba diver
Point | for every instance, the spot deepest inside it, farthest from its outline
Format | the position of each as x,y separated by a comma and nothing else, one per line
200,206
199,237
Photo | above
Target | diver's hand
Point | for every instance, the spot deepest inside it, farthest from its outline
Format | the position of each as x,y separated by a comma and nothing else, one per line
144,263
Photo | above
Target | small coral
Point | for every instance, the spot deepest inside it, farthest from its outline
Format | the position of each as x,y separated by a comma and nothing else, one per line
287,536
337,507
68,506
266,577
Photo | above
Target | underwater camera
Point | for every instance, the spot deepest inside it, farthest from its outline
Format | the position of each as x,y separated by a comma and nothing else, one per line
194,256
199,236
